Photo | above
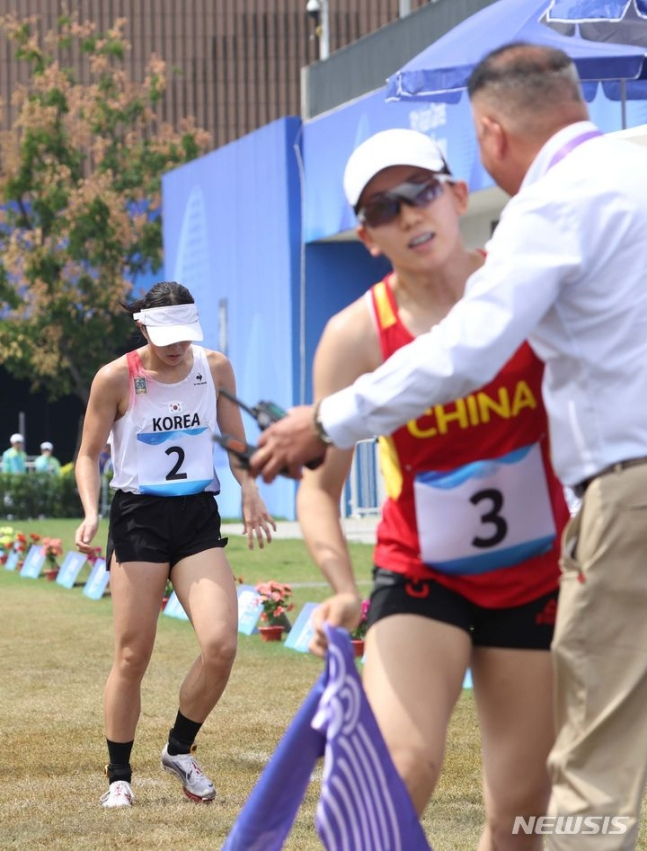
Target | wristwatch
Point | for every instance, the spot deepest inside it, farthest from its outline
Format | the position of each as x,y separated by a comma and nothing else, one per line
318,426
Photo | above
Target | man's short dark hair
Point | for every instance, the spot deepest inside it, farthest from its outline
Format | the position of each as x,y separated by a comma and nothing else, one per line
537,70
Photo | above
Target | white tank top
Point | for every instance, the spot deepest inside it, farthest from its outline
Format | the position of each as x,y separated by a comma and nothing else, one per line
163,445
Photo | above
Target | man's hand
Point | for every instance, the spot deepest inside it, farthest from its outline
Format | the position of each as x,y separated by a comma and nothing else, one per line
285,446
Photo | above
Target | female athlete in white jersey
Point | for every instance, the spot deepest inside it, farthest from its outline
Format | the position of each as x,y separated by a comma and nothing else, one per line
159,406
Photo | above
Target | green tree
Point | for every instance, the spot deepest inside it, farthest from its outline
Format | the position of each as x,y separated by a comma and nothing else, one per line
80,189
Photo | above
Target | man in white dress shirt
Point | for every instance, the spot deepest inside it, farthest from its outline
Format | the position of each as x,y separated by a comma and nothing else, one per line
566,269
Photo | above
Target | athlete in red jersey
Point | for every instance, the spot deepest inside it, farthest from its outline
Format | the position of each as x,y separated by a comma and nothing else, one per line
466,567
501,419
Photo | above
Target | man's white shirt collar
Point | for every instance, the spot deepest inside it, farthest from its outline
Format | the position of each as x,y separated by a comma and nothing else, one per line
541,163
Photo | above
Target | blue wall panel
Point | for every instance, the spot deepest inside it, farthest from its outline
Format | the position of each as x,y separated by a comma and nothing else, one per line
232,234
337,273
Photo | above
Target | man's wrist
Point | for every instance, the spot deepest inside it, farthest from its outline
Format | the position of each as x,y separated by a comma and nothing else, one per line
318,426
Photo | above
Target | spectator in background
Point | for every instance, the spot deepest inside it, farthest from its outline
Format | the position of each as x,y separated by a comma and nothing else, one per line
46,462
14,459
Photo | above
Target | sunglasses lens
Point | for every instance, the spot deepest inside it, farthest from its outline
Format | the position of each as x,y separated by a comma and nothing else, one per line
381,211
427,193
384,209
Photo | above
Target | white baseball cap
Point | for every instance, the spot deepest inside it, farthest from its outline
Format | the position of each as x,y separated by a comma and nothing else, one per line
175,323
16,438
47,445
388,148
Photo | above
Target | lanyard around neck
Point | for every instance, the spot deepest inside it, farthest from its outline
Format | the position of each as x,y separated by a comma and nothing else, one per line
566,149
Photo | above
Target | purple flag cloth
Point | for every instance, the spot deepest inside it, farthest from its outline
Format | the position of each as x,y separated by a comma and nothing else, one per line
267,816
364,805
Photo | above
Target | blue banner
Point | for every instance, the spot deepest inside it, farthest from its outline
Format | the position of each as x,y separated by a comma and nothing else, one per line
302,629
12,560
33,562
250,607
173,608
70,569
97,581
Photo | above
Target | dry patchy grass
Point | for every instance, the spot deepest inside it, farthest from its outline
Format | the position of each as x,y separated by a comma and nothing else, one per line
55,653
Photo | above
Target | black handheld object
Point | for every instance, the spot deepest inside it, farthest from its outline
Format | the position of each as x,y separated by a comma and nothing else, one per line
235,446
240,449
265,413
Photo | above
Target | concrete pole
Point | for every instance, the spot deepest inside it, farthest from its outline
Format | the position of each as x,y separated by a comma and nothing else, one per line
324,36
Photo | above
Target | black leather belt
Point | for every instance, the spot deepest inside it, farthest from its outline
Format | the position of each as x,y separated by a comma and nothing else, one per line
580,489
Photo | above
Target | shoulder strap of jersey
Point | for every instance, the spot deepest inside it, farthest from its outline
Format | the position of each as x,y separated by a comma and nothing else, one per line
384,304
135,365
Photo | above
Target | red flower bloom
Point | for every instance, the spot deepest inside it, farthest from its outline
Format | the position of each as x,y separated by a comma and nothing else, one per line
275,598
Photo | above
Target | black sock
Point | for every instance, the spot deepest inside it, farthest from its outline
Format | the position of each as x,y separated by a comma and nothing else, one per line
119,766
182,736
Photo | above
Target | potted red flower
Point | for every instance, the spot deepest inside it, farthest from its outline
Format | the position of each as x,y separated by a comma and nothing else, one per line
168,590
275,599
358,635
12,541
52,549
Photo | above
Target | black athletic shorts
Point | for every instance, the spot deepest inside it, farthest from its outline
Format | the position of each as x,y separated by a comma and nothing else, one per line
162,529
526,627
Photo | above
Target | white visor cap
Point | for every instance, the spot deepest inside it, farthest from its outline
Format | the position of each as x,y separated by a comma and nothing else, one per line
16,438
176,323
386,149
47,445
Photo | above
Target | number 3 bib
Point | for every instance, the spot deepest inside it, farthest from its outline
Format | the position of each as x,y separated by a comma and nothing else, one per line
485,515
175,463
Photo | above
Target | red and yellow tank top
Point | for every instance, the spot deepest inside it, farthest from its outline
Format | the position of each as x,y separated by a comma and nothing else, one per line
472,500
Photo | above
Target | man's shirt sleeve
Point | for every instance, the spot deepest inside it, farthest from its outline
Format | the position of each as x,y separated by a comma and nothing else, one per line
533,253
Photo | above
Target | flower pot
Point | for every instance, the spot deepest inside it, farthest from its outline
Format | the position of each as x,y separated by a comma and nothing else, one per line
271,633
50,573
358,647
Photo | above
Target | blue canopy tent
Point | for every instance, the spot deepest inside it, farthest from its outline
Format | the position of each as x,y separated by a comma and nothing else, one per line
441,71
615,21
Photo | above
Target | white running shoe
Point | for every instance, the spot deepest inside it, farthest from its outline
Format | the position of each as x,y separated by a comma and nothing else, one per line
196,786
119,794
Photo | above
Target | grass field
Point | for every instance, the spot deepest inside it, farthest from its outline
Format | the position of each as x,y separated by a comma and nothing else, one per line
55,653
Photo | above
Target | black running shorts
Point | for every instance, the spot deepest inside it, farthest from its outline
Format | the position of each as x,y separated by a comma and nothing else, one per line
526,627
162,529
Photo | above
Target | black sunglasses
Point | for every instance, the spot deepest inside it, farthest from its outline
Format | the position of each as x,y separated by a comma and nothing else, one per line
384,208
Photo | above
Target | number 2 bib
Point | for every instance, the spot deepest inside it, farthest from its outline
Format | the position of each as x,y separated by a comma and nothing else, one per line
485,515
175,463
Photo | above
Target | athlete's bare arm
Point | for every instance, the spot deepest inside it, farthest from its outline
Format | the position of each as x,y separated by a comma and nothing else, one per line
258,523
348,348
108,401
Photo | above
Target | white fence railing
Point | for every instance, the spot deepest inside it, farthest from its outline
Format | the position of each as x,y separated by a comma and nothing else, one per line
364,492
